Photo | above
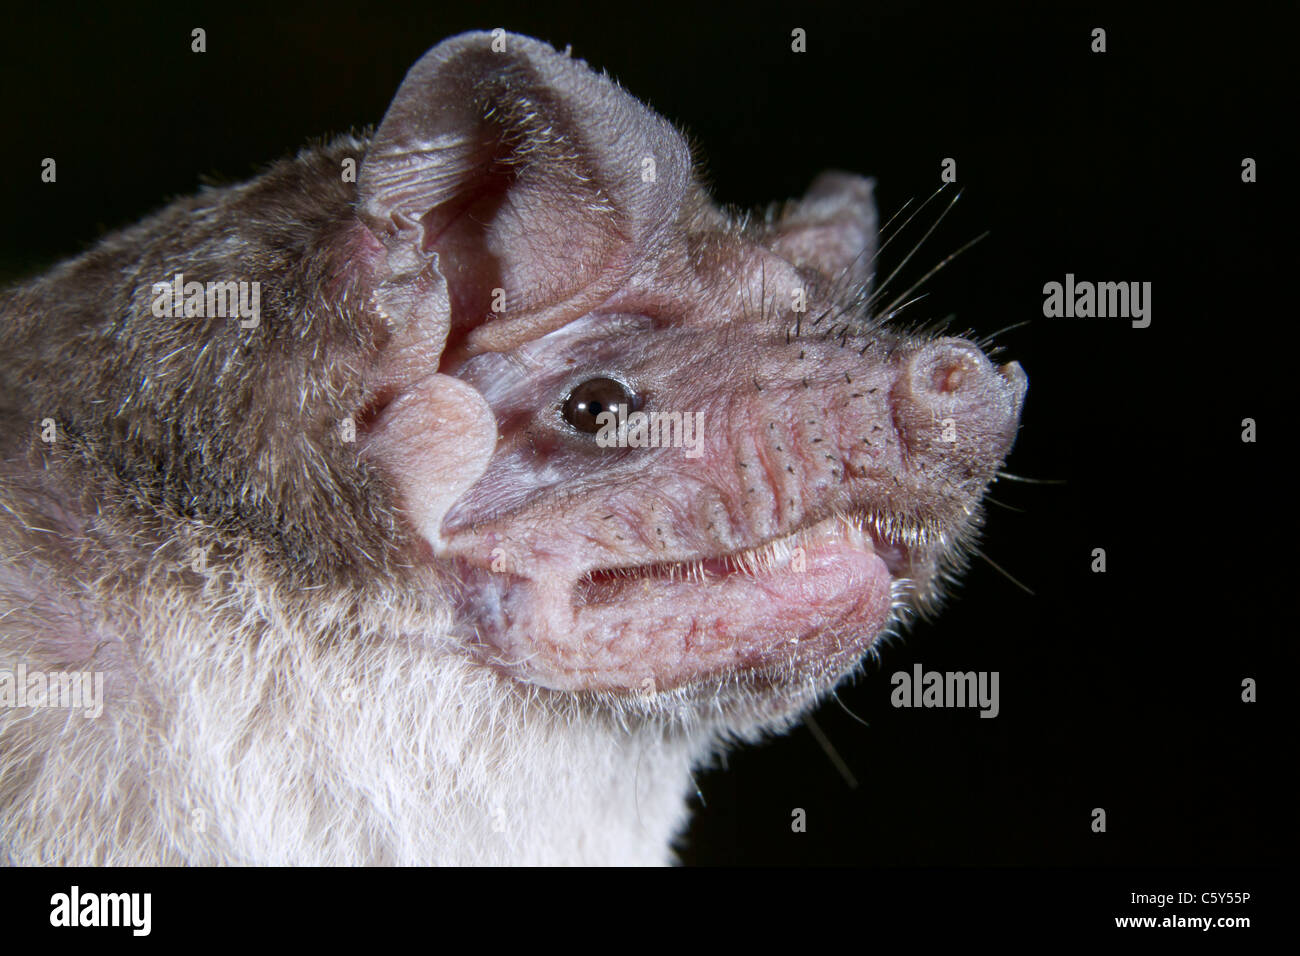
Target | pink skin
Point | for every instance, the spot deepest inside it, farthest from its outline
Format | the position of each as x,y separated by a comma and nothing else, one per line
552,507
842,464
775,461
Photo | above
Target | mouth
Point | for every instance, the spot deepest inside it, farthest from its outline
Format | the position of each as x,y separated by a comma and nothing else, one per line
795,612
865,533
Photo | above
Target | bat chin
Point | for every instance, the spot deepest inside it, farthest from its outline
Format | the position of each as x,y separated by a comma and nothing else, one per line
770,627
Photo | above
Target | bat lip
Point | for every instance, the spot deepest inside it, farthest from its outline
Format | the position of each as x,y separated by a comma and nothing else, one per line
778,553
791,615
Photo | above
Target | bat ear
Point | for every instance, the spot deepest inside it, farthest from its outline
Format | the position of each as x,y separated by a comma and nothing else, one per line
832,228
530,184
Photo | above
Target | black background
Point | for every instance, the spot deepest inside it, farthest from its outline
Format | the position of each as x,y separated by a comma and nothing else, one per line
1119,690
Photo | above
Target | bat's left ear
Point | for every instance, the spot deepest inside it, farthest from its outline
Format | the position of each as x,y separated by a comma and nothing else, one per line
518,183
831,229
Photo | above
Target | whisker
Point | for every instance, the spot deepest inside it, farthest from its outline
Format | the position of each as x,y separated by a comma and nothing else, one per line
987,340
831,752
844,707
943,262
1002,504
897,232
1002,571
875,296
889,316
695,784
1031,481
842,279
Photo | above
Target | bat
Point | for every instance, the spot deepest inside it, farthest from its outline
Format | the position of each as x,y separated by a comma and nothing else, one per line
448,495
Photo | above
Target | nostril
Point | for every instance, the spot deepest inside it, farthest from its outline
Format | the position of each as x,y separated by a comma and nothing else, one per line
948,376
946,366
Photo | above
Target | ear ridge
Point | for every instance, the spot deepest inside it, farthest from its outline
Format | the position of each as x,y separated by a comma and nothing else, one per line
525,171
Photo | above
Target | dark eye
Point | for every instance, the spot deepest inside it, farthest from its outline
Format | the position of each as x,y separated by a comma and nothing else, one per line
592,397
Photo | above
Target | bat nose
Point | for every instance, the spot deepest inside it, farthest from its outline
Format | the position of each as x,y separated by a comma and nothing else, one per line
949,384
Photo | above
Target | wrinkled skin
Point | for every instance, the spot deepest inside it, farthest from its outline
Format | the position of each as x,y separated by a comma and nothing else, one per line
519,227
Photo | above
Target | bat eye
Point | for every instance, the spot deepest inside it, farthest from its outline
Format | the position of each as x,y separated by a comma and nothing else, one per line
592,397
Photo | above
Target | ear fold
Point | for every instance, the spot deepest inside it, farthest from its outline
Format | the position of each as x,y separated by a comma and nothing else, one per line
832,229
532,185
